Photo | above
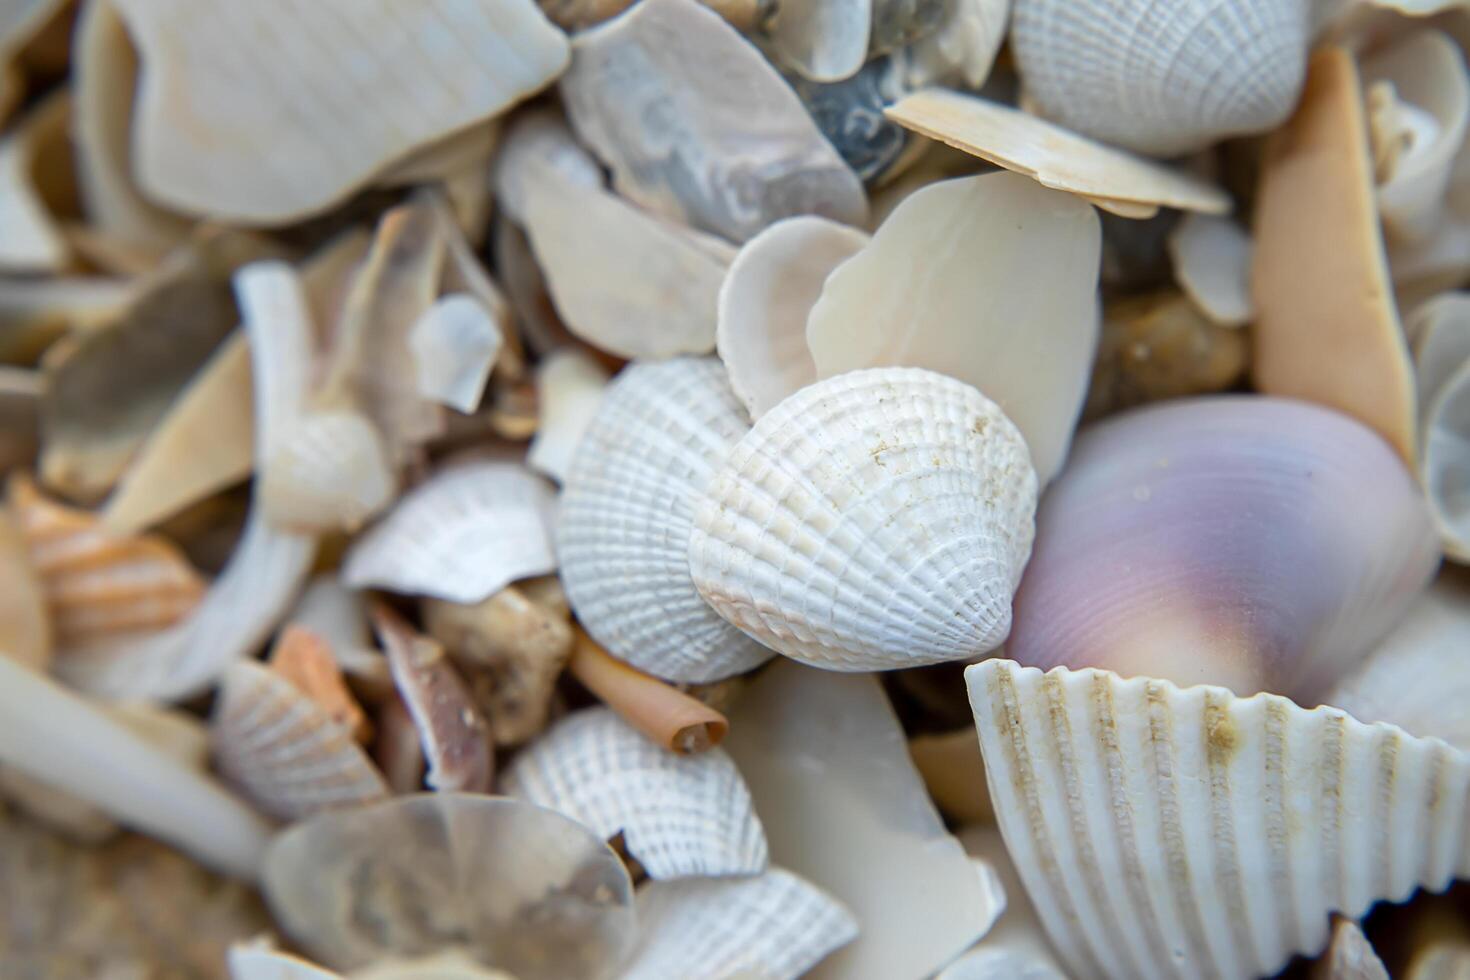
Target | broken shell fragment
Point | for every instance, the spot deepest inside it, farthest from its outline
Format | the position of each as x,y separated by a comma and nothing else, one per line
330,474
703,130
26,631
1016,947
338,616
454,345
1349,956
680,816
305,659
465,533
538,144
34,176
964,43
1110,178
1444,466
199,62
849,114
626,512
510,884
942,286
1258,804
822,40
1212,263
1162,85
874,520
774,925
569,387
260,962
1251,542
283,750
766,298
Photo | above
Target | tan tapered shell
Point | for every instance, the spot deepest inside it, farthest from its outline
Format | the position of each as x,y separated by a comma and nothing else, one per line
681,816
1162,81
626,510
26,631
462,535
773,925
1211,257
1164,831
33,240
204,62
330,474
284,750
569,387
1108,177
876,519
454,344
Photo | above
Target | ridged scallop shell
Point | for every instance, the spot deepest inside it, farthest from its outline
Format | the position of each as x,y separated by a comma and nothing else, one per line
876,519
283,749
1162,80
680,816
464,534
1165,832
775,925
626,510
331,474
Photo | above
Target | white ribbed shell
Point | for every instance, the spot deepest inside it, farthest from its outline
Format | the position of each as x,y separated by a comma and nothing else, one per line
284,750
626,510
680,815
330,474
775,926
1167,832
877,519
1162,78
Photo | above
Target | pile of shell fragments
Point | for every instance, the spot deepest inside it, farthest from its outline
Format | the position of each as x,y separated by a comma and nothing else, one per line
867,489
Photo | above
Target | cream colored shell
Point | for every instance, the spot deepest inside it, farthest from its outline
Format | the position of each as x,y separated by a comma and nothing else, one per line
877,519
1165,832
680,816
330,474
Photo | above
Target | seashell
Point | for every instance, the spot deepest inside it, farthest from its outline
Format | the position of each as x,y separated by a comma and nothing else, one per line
204,444
254,962
1441,331
1258,804
1157,346
1110,178
97,585
62,739
626,510
937,288
453,965
1164,85
679,816
35,312
537,143
338,616
396,748
1211,257
827,766
462,535
512,649
900,23
1016,947
772,925
953,774
330,474
1251,542
25,619
569,387
305,659
821,40
703,131
283,749
464,272
767,295
1418,96
525,289
466,149
964,43
455,739
34,179
200,62
20,397
268,565
1349,955
454,345
849,114
873,520
509,884
1315,212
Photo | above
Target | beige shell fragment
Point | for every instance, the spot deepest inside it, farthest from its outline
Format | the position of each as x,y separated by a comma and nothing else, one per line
465,533
454,344
1316,228
453,965
569,387
20,398
330,474
1349,956
680,816
284,750
339,616
316,133
32,155
1056,157
250,961
1165,831
538,143
696,125
26,632
774,925
1211,257
822,40
306,660
1441,331
944,285
964,44
767,295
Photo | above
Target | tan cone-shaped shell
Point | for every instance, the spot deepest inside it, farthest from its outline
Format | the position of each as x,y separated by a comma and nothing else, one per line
877,519
1167,832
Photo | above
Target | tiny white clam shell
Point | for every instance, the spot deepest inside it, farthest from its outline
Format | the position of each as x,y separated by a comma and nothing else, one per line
467,532
569,387
1165,831
1211,256
454,345
768,293
331,474
283,749
774,925
681,816
626,512
1162,81
822,40
873,520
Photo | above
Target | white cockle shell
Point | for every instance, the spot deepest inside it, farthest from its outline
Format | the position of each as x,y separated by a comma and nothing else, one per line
680,816
1166,832
877,519
627,507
